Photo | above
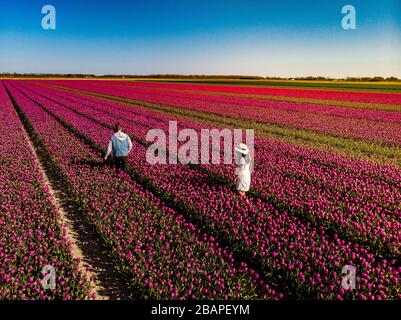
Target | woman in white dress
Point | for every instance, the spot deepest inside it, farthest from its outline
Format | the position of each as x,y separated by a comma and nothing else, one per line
243,172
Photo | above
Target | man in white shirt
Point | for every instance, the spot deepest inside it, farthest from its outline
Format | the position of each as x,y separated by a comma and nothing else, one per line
120,145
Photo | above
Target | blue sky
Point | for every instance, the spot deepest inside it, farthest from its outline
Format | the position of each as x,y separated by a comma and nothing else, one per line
275,38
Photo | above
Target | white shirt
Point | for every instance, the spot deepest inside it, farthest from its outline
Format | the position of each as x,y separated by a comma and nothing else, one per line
121,136
243,168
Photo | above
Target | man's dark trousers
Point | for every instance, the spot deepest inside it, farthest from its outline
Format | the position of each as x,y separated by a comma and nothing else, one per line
121,163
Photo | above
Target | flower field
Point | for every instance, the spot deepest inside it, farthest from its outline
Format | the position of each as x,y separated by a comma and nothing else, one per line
378,126
179,231
32,234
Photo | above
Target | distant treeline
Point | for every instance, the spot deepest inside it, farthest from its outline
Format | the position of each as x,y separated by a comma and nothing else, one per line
195,76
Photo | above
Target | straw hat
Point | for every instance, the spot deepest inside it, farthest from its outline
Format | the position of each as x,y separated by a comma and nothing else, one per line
242,148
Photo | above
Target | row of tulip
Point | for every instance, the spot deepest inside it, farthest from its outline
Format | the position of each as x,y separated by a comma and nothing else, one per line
32,235
373,104
377,97
378,126
306,259
157,248
361,203
306,108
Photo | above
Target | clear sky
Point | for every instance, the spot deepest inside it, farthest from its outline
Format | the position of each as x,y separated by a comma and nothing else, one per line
253,37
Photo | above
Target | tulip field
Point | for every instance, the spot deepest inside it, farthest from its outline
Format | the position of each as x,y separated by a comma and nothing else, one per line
32,235
325,191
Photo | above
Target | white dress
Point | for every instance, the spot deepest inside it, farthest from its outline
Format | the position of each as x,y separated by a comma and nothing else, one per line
243,175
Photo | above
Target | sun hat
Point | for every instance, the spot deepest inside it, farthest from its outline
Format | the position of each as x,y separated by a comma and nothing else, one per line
242,148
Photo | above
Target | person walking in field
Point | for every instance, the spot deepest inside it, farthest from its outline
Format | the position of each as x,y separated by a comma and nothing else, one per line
243,172
120,146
